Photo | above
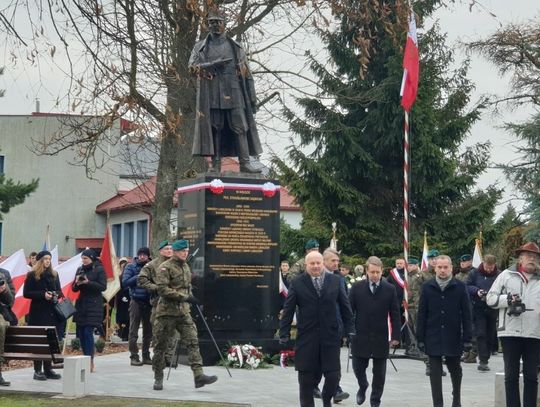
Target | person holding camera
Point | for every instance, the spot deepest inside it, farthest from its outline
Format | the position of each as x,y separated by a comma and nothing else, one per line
444,328
516,293
42,287
90,282
478,284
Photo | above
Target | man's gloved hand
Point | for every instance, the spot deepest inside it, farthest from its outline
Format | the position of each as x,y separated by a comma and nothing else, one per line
394,344
192,300
284,342
467,346
421,347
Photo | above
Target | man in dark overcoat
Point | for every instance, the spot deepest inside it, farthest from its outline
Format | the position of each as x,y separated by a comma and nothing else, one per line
314,296
444,328
226,100
372,301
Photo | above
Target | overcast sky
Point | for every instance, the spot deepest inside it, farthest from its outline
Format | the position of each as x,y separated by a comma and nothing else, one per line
24,85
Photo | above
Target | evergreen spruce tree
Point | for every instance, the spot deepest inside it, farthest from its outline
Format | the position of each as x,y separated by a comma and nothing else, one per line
348,164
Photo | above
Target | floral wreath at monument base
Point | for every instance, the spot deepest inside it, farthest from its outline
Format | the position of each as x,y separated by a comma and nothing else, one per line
245,356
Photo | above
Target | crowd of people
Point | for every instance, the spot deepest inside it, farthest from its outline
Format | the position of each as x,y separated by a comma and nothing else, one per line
440,315
154,293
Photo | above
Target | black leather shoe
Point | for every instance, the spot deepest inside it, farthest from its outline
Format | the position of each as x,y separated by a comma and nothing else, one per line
317,393
203,380
51,374
136,362
146,360
360,397
340,396
40,376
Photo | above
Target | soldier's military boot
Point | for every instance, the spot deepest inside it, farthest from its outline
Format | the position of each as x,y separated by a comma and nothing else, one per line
158,383
203,380
135,361
470,358
246,166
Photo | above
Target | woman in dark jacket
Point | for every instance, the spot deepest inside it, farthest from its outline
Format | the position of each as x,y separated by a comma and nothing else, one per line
90,281
42,287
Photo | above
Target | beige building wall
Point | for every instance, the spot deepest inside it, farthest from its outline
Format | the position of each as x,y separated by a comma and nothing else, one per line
66,198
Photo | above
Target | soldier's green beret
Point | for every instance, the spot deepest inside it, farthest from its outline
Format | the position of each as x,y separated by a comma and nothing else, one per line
433,253
466,257
163,244
180,245
312,244
413,260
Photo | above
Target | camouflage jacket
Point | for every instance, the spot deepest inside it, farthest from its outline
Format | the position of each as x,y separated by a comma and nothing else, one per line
463,274
297,268
173,280
415,285
147,278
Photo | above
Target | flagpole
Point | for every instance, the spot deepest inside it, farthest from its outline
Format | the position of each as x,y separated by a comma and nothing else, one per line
406,194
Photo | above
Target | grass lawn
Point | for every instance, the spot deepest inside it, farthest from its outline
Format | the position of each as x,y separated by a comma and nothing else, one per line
17,399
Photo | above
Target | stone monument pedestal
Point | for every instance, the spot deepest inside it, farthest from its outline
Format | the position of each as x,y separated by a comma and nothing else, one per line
232,224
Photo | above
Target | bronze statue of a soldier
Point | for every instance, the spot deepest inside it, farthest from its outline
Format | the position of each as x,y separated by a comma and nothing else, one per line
226,100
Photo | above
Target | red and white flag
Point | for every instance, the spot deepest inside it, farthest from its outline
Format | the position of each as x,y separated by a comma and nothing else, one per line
425,262
17,267
282,287
411,67
110,264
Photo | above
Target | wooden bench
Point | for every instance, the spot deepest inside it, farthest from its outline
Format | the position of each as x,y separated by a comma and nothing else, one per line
32,343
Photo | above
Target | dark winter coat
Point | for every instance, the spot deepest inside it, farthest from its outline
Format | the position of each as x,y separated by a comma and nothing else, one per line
479,279
129,280
203,140
371,313
444,318
89,305
318,339
41,310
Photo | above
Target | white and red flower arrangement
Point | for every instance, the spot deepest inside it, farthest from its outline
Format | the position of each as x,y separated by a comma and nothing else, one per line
245,356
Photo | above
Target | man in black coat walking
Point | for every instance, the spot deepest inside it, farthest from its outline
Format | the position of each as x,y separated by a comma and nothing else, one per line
372,302
444,328
314,296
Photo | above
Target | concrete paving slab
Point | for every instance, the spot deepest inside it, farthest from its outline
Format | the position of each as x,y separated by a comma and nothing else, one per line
273,387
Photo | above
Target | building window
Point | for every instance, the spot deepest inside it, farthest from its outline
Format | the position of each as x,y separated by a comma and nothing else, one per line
117,238
1,164
142,233
129,239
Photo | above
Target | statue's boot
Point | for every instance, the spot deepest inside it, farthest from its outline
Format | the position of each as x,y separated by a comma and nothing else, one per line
246,166
216,164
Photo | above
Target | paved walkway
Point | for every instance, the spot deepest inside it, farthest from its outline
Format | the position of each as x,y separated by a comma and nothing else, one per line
274,387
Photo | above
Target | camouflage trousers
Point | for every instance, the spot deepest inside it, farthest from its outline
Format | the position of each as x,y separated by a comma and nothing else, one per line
3,328
169,352
164,327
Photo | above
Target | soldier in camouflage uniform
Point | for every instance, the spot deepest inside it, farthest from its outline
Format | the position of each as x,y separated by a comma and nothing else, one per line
147,279
173,280
300,266
6,301
413,275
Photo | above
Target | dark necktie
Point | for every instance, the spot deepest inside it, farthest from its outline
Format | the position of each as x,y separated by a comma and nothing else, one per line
373,288
317,285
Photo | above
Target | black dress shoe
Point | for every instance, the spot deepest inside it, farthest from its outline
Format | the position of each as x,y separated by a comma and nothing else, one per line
51,374
360,397
317,393
340,396
40,376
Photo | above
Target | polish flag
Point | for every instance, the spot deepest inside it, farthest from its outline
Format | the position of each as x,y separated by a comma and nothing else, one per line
17,267
425,263
282,287
411,67
110,265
